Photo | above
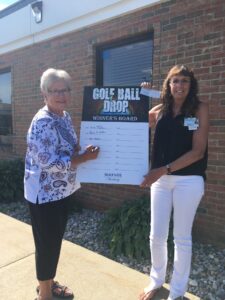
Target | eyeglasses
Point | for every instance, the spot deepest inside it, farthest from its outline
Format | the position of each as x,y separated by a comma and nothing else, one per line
59,92
180,81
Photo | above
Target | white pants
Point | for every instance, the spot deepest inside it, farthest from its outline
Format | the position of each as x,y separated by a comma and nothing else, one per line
182,194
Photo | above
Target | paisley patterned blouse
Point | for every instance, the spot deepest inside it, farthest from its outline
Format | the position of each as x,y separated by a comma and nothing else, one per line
51,141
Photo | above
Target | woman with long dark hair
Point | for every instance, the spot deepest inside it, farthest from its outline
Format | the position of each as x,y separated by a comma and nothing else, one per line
176,177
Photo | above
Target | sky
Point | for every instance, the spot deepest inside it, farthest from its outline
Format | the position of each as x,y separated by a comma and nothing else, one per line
5,3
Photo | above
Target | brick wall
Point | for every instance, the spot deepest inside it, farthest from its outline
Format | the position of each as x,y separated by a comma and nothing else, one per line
185,31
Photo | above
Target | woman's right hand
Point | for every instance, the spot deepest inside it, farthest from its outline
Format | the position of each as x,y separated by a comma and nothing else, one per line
91,152
146,85
152,176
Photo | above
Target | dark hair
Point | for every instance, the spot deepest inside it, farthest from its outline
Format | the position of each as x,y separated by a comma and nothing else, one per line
192,101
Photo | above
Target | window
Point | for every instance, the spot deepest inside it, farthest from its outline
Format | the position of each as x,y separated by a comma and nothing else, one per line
5,106
125,63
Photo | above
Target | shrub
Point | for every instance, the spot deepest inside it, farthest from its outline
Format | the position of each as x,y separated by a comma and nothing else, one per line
11,180
126,229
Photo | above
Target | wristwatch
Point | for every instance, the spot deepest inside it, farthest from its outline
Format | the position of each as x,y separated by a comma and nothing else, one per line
168,169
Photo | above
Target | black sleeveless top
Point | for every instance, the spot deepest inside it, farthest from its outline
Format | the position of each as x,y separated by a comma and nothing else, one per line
171,140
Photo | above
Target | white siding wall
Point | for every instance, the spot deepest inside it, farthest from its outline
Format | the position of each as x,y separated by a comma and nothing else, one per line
59,17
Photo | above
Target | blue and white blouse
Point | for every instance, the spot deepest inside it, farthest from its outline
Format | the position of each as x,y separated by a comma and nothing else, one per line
51,141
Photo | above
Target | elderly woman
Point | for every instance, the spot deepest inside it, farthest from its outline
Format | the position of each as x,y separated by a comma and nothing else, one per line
50,177
176,177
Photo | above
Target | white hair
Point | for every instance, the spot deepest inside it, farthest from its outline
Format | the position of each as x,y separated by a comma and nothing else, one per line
52,75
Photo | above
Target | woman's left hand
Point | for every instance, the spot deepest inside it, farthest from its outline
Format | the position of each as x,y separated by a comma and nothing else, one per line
152,176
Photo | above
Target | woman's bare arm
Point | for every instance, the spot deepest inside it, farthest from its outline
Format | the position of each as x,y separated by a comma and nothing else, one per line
153,115
199,144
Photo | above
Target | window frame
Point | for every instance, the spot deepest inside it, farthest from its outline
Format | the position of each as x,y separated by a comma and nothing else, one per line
6,139
114,44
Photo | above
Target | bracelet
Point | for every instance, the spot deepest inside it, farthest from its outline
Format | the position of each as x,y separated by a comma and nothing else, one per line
168,169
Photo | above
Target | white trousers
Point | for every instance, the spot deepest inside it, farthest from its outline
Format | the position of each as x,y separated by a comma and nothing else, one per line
182,194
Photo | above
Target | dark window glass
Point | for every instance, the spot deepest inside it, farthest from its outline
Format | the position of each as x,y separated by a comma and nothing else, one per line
5,104
125,64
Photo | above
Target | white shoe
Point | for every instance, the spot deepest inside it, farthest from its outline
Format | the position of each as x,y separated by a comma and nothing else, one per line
177,298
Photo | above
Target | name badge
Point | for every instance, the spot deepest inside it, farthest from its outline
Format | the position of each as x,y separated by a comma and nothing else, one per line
191,123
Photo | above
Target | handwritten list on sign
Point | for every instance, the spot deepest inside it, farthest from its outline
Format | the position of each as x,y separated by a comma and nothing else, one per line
124,147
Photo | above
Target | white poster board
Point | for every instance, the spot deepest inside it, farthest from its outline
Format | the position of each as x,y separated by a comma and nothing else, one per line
116,120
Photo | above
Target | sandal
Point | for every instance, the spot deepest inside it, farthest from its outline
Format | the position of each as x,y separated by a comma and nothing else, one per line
60,291
148,295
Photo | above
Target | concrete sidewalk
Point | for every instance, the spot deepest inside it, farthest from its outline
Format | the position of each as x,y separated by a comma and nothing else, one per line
90,275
